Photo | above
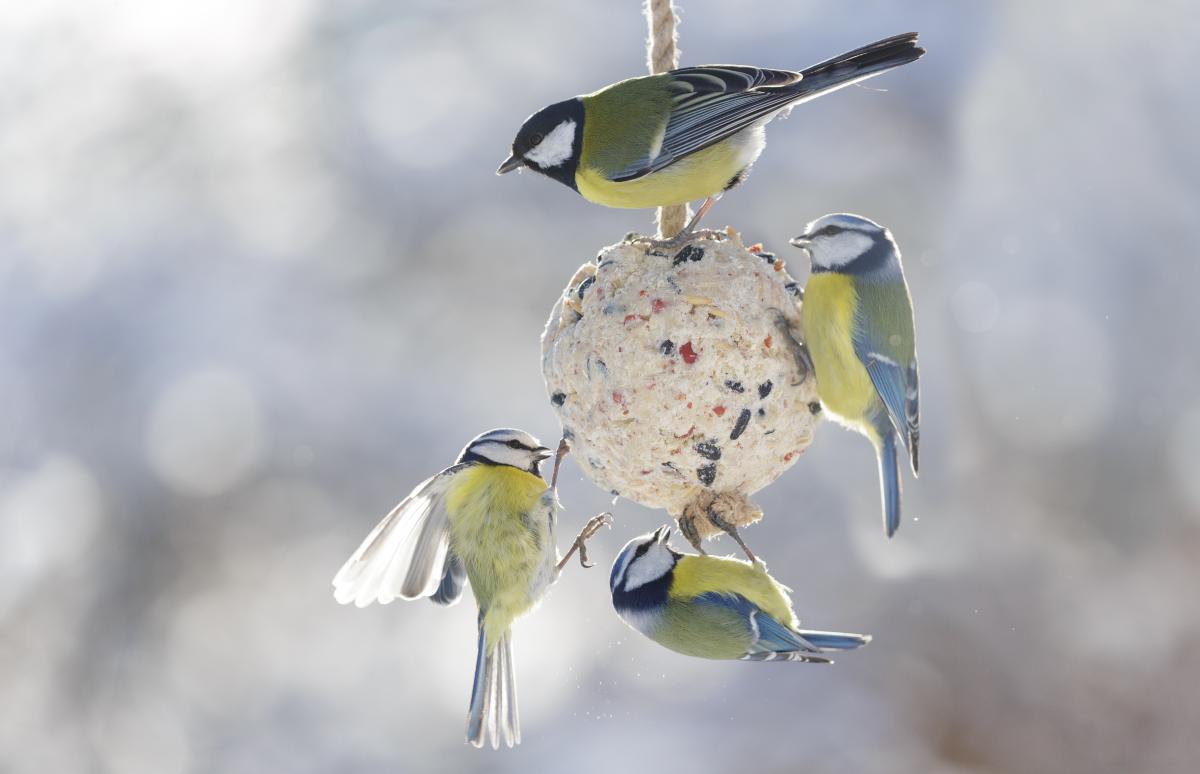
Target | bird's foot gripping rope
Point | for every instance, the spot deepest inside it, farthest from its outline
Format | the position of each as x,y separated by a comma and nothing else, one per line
589,530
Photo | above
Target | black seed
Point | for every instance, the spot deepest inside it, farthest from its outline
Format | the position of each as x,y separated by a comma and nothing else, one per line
764,389
558,398
795,289
762,412
708,450
768,257
814,407
667,347
735,386
583,286
707,473
688,253
740,426
614,493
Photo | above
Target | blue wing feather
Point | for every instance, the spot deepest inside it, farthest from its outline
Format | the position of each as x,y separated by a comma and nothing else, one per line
776,640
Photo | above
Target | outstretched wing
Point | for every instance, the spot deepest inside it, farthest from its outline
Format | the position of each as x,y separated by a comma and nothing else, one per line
883,341
407,554
713,102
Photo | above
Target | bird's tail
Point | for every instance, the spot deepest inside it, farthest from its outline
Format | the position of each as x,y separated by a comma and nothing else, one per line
889,481
493,711
827,641
859,64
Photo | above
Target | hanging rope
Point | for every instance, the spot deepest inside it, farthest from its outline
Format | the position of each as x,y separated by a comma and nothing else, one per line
661,56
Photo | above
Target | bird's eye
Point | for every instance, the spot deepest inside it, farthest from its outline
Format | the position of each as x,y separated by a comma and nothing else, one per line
830,230
514,444
536,139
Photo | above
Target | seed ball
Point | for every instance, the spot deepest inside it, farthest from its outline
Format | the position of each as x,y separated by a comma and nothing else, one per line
680,374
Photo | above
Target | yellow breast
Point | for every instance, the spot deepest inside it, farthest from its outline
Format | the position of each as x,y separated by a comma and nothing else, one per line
497,531
703,173
843,384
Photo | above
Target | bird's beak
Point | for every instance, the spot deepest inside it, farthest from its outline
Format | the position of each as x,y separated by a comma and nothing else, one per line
512,162
802,241
542,453
662,534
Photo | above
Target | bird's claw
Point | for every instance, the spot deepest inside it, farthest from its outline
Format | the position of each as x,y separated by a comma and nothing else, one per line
687,528
589,530
730,529
564,448
677,241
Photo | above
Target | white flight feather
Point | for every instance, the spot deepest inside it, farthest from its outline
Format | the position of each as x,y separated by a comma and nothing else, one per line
404,554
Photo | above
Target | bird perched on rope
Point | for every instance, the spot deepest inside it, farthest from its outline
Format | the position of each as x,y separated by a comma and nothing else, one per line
687,134
488,519
713,607
858,326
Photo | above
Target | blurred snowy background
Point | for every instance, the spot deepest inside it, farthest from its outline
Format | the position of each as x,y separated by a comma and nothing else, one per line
258,279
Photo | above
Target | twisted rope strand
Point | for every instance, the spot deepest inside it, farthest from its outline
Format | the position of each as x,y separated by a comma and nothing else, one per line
662,54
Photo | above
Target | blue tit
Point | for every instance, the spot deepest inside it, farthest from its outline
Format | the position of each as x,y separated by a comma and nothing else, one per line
713,607
858,326
490,520
692,133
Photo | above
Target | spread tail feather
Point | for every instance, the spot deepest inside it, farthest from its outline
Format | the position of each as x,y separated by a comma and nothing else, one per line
493,711
889,481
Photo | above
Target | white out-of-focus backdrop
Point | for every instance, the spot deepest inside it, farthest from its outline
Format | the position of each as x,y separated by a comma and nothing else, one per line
258,279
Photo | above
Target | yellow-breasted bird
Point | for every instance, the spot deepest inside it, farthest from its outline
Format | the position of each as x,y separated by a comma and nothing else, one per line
713,607
488,519
692,133
858,326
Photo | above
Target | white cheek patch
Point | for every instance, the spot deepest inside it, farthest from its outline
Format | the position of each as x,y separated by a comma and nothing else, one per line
651,566
503,454
840,249
556,148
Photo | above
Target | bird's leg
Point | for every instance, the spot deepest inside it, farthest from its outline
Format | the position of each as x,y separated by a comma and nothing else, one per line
564,448
729,529
591,528
687,528
689,232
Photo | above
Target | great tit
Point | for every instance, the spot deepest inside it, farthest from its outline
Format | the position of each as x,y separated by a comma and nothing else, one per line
488,519
692,133
858,325
713,607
